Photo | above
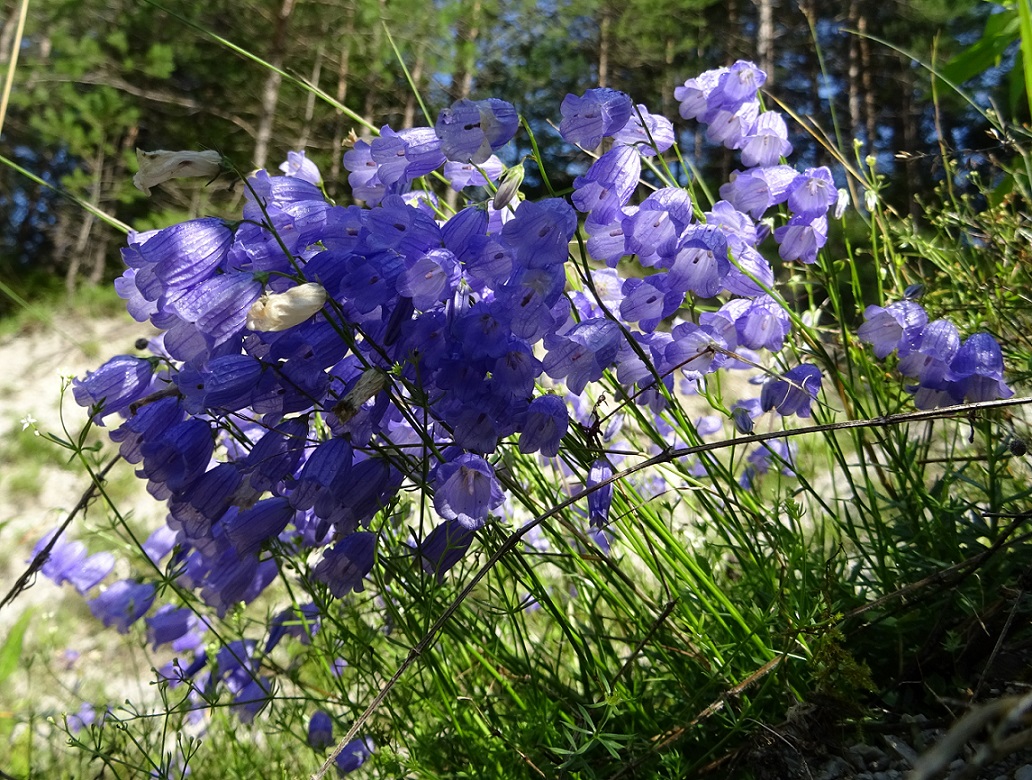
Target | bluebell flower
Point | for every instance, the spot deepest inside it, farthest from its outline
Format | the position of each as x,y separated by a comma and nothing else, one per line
694,94
68,562
301,622
929,360
462,175
320,731
345,565
731,127
766,142
608,184
597,114
364,174
600,498
812,192
466,490
471,130
766,454
122,603
581,355
430,279
546,424
176,457
159,543
793,392
701,263
353,755
755,190
761,323
976,372
178,627
114,386
897,326
406,155
249,529
652,232
655,135
803,236
299,165
443,547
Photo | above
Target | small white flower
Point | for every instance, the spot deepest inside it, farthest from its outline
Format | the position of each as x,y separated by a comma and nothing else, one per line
160,166
279,311
841,203
28,421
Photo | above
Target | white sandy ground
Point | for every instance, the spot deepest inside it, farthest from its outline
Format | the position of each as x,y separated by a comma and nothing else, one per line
32,365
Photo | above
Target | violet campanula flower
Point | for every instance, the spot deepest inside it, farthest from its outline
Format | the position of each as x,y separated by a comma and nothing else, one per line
655,135
248,529
364,174
353,755
406,155
583,353
600,498
757,189
114,386
176,457
976,372
462,175
803,236
122,603
730,127
597,114
466,490
301,622
547,423
766,454
793,392
180,628
652,232
345,565
68,562
430,279
897,326
930,359
760,323
694,94
766,142
299,165
320,731
701,263
444,546
471,130
608,184
812,192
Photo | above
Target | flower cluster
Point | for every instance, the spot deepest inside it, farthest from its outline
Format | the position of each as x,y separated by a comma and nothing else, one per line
314,359
947,371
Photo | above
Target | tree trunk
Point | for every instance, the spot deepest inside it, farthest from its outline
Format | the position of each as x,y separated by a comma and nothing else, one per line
854,88
271,88
604,26
765,37
408,119
82,239
867,76
343,71
306,125
467,31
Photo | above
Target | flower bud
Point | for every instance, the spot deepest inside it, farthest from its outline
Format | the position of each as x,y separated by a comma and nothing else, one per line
160,166
279,311
511,180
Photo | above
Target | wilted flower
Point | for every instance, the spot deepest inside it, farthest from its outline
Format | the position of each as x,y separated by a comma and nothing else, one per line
160,166
279,311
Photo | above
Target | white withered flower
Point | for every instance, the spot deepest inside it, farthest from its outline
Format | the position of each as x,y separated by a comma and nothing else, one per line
279,311
160,166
